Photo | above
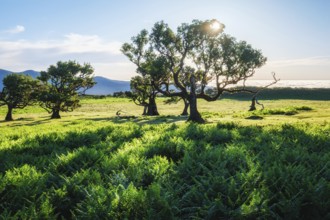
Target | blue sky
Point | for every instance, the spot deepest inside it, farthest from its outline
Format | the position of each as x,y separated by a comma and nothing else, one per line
293,34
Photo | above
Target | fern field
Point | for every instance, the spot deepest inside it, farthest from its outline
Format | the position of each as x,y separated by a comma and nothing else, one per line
101,168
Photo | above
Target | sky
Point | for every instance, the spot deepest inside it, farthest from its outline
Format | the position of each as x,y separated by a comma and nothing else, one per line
294,35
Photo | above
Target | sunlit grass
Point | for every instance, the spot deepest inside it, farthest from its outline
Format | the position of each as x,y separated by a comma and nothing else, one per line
92,164
221,110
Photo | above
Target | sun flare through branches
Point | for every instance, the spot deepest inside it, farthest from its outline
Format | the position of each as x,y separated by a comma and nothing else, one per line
216,26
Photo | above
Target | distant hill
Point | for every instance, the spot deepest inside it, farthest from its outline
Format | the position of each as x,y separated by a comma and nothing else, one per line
104,85
4,73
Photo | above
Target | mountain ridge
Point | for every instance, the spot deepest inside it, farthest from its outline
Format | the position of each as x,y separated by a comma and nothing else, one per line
104,86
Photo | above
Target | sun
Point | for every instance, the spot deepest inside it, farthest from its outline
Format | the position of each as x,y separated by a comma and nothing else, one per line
215,26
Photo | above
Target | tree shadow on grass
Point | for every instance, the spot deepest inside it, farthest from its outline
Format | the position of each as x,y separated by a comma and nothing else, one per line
143,120
58,158
26,121
217,171
254,117
18,120
255,173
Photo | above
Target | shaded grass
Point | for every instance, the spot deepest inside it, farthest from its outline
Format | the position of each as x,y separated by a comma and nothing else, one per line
91,164
102,169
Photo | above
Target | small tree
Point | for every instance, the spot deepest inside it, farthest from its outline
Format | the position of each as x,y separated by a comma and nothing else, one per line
19,91
142,58
141,92
65,82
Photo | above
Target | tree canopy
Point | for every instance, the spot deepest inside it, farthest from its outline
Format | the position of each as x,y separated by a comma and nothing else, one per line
141,91
64,82
19,91
143,86
192,58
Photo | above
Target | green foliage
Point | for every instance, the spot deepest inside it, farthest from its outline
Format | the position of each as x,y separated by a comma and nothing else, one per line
141,89
103,170
19,91
190,58
24,185
64,82
196,55
303,108
288,111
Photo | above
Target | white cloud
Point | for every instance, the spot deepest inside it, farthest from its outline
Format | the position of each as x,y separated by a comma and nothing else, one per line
311,68
116,71
308,61
104,55
71,43
76,43
16,30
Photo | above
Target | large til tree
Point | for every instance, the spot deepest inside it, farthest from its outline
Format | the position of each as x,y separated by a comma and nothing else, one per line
196,55
65,82
19,91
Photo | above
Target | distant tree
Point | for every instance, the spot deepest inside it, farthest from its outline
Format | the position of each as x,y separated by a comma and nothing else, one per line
19,91
128,94
118,94
121,94
65,82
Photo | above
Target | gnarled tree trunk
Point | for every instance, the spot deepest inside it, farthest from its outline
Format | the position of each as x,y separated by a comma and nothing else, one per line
9,116
55,114
194,116
145,110
152,106
186,106
253,104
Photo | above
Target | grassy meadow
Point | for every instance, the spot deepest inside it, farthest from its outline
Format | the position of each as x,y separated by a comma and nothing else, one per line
270,164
